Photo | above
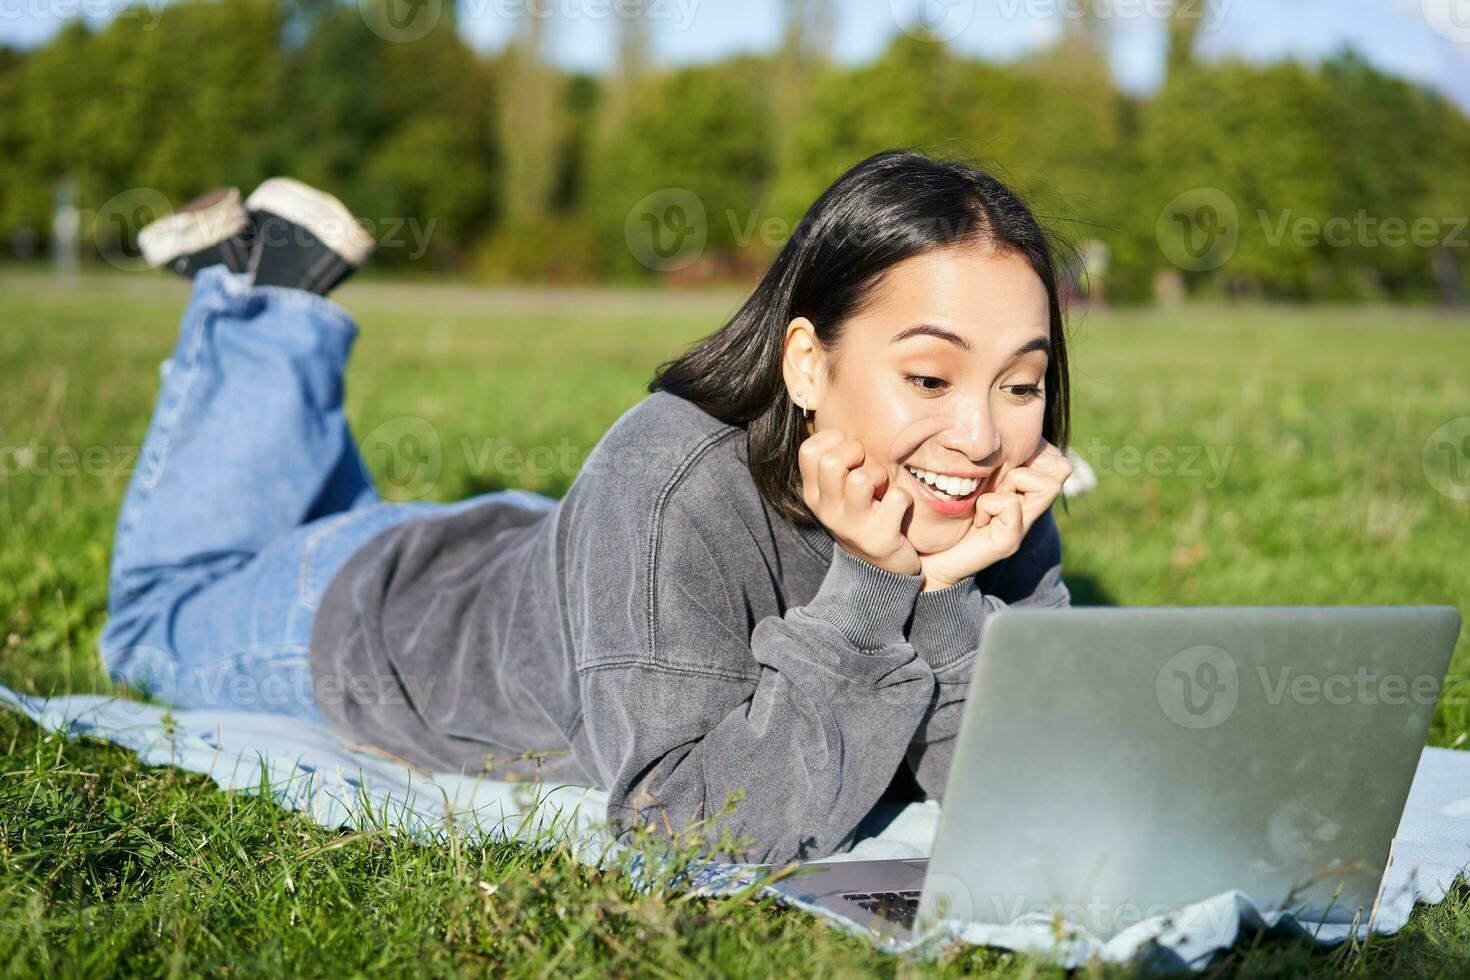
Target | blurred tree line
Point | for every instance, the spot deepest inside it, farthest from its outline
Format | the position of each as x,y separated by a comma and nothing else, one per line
502,166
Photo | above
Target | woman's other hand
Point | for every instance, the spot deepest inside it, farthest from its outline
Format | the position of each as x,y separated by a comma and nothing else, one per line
1002,518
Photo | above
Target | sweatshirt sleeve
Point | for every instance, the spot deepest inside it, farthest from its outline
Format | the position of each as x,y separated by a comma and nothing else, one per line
808,713
946,630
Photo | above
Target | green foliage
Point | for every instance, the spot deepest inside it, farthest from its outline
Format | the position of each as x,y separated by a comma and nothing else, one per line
1400,152
173,109
506,167
704,129
1261,136
915,95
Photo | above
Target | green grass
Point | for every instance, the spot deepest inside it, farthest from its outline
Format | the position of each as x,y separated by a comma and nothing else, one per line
1315,493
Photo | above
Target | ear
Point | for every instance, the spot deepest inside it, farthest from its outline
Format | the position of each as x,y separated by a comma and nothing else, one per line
803,361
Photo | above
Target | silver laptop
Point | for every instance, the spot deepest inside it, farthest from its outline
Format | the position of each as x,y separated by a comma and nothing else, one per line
1117,764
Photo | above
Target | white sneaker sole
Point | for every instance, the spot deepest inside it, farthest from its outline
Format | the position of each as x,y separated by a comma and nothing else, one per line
187,232
318,212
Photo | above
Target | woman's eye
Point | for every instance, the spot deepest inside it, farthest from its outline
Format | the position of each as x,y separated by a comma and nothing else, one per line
917,380
1025,392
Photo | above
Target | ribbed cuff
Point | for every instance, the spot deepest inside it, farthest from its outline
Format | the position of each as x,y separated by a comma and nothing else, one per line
868,604
947,622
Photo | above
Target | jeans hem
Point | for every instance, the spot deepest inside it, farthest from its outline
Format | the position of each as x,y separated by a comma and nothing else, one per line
238,286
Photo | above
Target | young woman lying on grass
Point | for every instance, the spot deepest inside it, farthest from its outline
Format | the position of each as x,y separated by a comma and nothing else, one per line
770,575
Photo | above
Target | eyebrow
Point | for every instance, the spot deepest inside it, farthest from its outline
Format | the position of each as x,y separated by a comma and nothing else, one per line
1042,344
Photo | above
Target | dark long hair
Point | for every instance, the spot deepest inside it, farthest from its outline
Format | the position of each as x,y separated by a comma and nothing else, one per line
887,208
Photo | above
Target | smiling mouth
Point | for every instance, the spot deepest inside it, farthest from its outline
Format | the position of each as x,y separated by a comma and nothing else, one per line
950,489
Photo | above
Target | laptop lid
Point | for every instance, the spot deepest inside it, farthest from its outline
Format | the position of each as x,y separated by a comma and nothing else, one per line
1114,764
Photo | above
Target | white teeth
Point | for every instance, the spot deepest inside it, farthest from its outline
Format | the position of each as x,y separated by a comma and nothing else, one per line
954,486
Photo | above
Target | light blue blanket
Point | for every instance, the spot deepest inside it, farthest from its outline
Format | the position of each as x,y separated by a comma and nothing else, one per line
306,768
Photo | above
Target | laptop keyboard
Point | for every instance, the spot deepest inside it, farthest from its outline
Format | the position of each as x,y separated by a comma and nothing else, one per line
899,907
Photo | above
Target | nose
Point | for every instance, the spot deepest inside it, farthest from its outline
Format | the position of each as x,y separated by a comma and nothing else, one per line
973,432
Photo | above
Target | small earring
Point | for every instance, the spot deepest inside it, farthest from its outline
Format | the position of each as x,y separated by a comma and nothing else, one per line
806,413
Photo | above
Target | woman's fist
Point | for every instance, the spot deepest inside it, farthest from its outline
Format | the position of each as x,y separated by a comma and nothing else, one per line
853,499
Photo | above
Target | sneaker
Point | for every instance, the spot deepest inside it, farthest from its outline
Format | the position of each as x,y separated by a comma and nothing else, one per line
304,238
209,230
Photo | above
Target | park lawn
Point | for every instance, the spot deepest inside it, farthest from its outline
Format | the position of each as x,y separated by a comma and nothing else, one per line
1258,455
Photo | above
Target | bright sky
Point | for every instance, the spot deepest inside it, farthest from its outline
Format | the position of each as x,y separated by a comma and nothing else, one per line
1427,40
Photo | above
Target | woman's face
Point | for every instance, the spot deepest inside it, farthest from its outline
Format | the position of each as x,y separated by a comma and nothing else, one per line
944,372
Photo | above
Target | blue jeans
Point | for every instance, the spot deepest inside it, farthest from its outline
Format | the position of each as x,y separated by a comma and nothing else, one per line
248,497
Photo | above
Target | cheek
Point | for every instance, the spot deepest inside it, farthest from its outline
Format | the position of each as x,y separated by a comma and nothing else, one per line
891,427
1020,431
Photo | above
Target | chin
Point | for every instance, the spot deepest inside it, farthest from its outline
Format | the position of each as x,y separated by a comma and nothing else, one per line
933,536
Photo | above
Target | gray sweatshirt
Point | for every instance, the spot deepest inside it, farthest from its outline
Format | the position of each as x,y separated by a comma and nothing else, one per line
664,635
